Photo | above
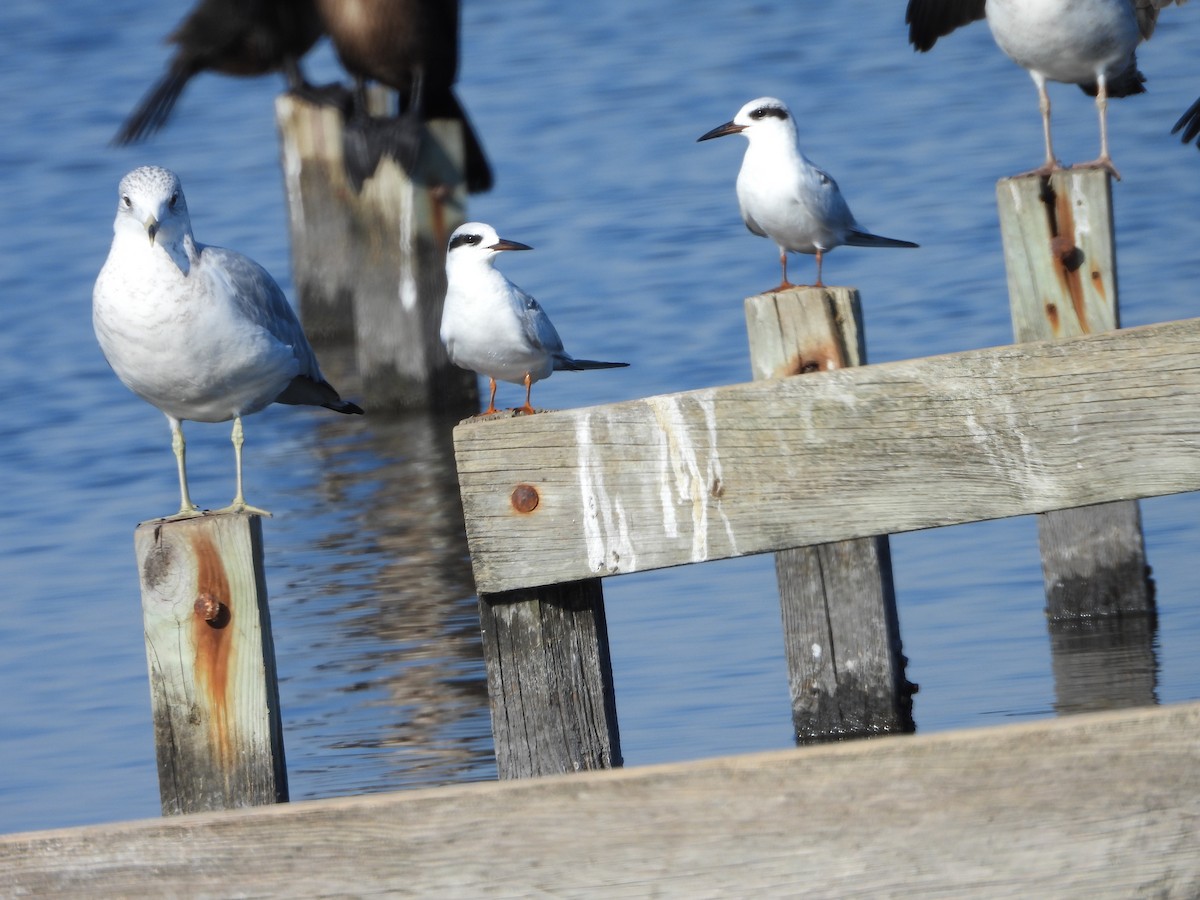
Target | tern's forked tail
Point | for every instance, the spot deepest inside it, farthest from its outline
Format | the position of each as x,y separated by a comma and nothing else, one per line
864,239
566,363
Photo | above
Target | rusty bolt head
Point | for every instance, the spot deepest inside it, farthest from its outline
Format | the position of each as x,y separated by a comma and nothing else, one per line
525,498
208,607
1064,248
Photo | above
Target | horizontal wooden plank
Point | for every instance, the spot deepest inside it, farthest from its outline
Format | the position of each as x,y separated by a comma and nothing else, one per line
1098,805
828,456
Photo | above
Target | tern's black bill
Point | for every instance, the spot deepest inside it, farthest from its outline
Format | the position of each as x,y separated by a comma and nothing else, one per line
721,131
509,245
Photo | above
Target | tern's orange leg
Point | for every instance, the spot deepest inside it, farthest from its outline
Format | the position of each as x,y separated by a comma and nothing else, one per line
785,284
491,399
527,409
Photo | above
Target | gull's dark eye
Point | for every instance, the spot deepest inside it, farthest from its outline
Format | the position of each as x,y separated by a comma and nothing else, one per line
474,238
126,202
759,113
174,199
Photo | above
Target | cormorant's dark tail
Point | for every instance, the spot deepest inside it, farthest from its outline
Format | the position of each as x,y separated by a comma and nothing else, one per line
479,172
154,110
1190,123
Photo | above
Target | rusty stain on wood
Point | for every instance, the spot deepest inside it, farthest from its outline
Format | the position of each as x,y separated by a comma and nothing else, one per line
1052,318
1098,284
1068,256
823,357
213,645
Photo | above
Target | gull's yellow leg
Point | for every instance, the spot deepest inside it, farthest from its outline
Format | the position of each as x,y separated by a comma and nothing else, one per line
239,501
187,509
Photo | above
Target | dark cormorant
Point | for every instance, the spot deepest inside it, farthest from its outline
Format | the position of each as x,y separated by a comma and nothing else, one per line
410,46
232,37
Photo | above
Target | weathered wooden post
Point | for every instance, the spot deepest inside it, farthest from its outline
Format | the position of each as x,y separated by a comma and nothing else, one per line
215,699
550,684
841,630
1060,256
369,265
549,672
1102,663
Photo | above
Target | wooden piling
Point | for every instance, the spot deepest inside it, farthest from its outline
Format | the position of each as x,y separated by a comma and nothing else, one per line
838,603
217,725
1060,256
1105,662
369,265
550,681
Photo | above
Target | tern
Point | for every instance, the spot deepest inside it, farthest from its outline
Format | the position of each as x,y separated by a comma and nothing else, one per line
491,326
786,198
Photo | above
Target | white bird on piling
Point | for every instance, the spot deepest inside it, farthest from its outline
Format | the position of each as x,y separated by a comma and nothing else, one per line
202,333
783,196
1091,43
491,326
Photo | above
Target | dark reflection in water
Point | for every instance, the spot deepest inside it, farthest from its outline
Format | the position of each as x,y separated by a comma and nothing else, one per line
1104,663
383,684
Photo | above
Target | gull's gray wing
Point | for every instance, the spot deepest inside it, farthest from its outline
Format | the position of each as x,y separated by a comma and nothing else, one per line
258,298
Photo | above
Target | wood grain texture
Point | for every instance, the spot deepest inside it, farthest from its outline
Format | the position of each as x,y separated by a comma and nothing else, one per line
369,266
840,627
769,465
550,681
217,726
1100,805
1060,256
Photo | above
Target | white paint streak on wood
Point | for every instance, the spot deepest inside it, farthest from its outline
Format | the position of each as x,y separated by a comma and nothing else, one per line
605,525
693,472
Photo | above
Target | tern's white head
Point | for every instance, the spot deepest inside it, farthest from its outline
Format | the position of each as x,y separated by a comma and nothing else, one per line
478,243
766,118
150,203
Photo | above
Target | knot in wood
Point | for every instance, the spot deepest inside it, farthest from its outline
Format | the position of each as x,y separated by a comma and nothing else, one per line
525,498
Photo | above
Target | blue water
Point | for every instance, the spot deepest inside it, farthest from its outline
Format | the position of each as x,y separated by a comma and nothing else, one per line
591,126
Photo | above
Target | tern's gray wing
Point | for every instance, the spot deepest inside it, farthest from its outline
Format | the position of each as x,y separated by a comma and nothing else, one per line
536,325
826,203
929,20
258,298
